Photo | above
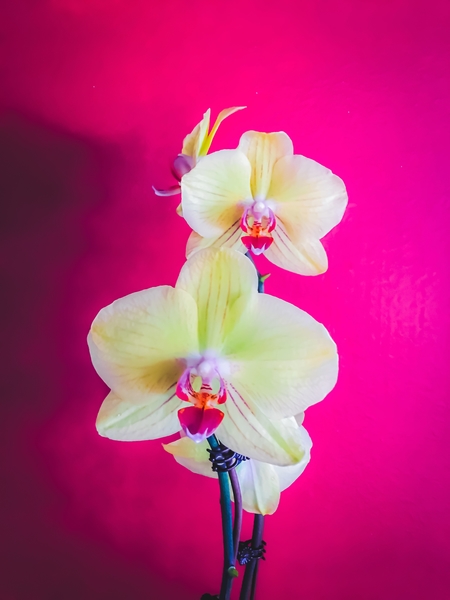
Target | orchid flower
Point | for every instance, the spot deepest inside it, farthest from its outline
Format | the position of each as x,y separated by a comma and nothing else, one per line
261,483
211,355
195,145
264,198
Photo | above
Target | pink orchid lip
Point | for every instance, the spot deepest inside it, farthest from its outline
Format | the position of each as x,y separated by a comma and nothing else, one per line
257,245
199,423
203,418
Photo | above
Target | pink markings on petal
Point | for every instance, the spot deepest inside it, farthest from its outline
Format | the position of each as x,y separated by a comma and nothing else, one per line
184,385
199,423
222,393
182,165
272,221
257,245
244,224
171,191
203,397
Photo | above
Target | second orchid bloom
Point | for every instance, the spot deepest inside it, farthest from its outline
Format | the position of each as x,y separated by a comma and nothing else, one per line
264,198
211,355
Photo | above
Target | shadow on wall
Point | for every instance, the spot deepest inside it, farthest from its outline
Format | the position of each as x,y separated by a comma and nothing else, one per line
50,180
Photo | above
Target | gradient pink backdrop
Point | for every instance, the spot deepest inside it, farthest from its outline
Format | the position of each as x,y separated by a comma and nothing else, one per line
96,97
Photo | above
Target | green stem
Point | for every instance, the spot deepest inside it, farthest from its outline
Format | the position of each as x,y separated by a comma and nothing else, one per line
237,525
229,570
260,284
261,278
251,570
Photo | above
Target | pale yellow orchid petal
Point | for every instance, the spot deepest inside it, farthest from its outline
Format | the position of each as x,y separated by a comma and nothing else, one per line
191,455
288,475
260,487
282,358
247,430
216,279
306,257
230,239
221,117
136,342
263,150
194,140
299,418
310,199
126,421
260,482
213,192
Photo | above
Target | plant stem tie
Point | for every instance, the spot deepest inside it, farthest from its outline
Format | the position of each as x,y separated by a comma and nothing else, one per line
246,553
223,459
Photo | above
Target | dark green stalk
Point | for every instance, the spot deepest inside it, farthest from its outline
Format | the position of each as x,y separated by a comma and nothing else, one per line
261,278
237,525
251,570
229,569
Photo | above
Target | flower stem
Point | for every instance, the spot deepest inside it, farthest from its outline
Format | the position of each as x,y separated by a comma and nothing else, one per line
237,525
261,278
229,570
251,570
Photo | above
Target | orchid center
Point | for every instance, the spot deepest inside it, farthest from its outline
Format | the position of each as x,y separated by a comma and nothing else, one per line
202,385
258,222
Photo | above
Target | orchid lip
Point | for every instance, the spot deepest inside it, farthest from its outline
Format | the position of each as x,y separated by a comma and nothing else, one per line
199,423
202,385
258,222
258,245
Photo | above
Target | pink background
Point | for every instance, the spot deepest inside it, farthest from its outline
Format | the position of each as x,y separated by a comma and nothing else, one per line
96,97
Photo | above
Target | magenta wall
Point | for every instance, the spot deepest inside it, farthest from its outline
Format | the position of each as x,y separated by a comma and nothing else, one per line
97,95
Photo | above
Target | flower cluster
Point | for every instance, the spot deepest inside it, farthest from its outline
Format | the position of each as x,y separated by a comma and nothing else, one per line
211,355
